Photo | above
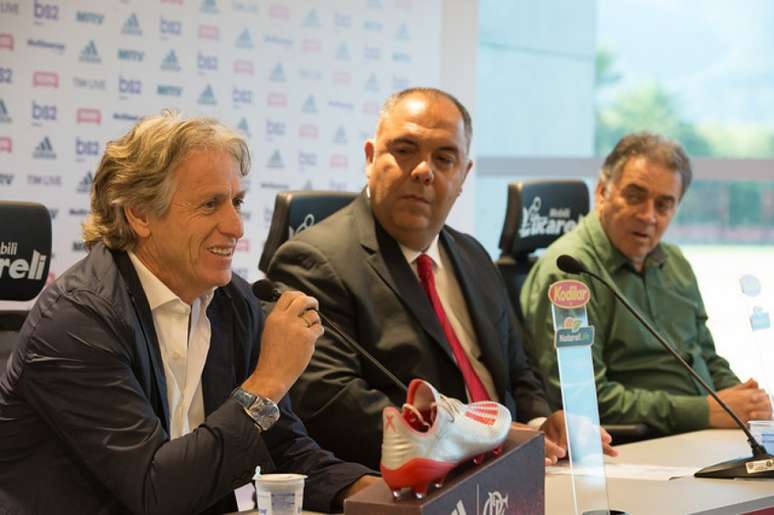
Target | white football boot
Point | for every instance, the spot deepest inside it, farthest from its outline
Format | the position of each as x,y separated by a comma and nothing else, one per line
433,434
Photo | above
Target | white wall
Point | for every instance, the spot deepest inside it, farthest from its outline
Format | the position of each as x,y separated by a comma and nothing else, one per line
303,80
458,59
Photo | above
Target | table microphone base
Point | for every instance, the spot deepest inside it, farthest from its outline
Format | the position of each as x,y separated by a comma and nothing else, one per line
754,467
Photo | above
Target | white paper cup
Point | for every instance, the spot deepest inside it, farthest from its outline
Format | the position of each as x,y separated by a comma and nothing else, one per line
763,431
279,494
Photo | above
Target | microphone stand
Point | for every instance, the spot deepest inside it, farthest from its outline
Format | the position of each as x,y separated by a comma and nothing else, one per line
375,362
267,291
761,464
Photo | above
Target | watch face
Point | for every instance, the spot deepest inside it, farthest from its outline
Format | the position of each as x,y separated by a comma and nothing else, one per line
267,413
263,411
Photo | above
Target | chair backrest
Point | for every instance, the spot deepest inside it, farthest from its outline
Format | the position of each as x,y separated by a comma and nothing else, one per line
538,213
295,211
25,254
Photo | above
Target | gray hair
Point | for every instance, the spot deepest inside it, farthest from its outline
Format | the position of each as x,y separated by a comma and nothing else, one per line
655,148
435,94
137,170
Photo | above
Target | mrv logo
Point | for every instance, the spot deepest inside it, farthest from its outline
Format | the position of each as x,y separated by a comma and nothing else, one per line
130,55
20,268
557,222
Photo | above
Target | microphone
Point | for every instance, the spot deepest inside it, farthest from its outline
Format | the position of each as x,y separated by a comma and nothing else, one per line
269,292
761,464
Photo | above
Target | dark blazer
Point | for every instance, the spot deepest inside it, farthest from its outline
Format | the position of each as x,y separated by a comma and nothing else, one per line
364,284
84,415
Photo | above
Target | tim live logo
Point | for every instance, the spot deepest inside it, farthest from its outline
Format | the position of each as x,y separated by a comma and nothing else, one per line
20,268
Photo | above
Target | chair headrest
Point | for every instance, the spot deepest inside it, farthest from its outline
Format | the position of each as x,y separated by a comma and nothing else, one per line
25,249
539,212
295,211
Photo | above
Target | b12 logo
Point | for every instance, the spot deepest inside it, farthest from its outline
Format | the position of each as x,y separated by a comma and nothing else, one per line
45,11
129,86
86,147
43,112
207,62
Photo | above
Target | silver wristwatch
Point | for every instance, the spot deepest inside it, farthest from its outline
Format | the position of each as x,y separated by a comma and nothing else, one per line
262,410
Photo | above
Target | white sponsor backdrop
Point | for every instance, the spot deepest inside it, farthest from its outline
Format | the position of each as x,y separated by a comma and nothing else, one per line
303,80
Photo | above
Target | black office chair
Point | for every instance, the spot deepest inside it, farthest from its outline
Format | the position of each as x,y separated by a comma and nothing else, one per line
25,254
295,211
538,213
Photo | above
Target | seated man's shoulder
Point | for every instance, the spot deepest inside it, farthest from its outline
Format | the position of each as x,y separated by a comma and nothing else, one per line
93,281
466,241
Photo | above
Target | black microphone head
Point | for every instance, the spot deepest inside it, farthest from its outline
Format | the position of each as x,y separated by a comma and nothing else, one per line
266,290
570,265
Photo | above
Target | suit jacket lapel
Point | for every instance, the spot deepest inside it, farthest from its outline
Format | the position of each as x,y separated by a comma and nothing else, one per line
218,376
145,323
483,324
388,262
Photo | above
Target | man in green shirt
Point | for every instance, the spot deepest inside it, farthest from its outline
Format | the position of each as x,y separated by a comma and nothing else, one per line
639,188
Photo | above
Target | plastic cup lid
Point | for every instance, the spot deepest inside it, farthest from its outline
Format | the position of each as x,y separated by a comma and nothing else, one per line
280,478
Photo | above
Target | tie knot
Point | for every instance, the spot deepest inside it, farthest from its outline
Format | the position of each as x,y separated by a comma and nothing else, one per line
424,266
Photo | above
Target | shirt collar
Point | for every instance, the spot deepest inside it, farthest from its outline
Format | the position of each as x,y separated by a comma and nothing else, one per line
611,257
432,250
158,293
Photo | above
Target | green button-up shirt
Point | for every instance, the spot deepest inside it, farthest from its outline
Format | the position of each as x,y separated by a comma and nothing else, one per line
637,380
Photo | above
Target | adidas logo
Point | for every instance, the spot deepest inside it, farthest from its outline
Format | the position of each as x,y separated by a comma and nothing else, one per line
310,106
84,185
312,19
89,54
372,84
275,161
243,128
459,509
209,6
170,62
277,74
44,150
132,26
244,40
341,136
207,97
4,118
342,53
402,33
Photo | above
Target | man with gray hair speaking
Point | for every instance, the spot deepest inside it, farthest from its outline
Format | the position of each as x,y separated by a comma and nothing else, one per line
639,188
146,379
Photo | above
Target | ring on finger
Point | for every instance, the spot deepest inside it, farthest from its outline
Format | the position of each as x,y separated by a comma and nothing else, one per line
307,322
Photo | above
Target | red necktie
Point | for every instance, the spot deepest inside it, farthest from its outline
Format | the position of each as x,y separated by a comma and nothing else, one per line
476,388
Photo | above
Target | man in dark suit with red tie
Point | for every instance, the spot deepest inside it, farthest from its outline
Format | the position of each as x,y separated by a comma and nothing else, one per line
424,299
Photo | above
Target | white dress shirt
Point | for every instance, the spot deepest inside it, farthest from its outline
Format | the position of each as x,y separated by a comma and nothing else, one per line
184,333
